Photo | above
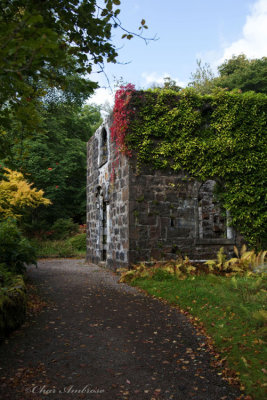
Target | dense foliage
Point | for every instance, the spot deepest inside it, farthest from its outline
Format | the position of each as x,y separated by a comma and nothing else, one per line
12,301
220,136
17,195
47,51
244,74
238,72
78,241
51,46
63,228
15,250
55,160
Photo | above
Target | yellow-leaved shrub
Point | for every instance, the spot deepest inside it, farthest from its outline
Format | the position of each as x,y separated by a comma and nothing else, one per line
16,194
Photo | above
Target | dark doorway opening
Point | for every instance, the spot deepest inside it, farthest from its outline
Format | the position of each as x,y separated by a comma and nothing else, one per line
104,231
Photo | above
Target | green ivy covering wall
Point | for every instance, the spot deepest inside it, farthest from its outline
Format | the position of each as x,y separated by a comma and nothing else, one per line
220,136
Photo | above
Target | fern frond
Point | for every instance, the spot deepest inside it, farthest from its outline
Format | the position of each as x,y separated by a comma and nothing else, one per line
243,250
236,251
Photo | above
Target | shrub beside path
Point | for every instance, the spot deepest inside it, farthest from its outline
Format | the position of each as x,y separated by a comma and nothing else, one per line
97,339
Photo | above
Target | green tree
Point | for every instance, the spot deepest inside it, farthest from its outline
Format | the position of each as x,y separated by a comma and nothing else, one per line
203,79
236,73
55,160
49,42
241,73
168,83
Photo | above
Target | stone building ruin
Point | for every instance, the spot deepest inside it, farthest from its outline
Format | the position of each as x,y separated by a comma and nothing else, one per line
139,215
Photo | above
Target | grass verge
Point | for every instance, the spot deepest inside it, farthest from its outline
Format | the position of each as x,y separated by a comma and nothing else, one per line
233,313
74,246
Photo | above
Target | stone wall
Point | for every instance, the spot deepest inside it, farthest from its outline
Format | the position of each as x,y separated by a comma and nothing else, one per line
107,202
172,214
146,214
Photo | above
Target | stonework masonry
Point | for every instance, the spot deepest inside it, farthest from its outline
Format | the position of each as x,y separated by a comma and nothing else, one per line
143,214
107,202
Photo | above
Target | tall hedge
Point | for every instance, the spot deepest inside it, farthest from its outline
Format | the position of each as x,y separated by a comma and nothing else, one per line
220,136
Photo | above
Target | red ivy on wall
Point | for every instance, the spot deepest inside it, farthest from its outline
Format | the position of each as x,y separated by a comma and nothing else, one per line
121,117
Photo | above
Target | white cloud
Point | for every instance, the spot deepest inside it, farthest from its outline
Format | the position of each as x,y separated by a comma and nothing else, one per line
102,96
253,42
155,78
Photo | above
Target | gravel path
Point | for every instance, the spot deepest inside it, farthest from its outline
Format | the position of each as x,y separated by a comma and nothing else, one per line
97,339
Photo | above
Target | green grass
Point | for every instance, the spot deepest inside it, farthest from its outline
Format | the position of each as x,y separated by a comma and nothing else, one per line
233,313
74,246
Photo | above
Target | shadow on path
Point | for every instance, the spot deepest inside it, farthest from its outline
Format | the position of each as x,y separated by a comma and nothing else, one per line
98,339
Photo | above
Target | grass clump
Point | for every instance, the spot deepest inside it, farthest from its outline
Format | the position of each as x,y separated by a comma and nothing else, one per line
74,246
78,242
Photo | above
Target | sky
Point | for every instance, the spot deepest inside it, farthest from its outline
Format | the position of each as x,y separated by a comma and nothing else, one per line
186,31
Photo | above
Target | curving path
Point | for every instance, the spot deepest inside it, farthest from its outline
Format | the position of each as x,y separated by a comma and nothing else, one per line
97,339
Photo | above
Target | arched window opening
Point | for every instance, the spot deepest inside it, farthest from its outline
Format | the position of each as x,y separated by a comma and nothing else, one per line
103,147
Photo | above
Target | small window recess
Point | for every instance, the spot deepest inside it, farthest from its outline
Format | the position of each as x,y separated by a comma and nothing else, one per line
103,147
211,226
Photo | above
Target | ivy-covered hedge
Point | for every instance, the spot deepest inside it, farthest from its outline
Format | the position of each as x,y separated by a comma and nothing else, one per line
220,136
